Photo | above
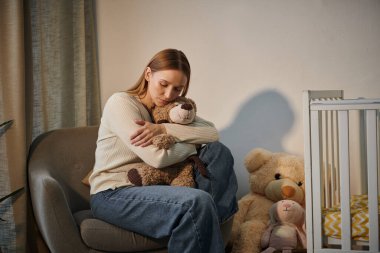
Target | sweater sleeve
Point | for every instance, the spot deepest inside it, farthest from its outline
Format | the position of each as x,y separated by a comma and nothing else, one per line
200,131
119,114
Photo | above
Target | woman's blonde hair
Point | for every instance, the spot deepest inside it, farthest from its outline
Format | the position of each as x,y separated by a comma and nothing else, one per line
166,59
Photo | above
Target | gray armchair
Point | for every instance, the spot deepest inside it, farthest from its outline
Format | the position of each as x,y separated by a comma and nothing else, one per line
58,161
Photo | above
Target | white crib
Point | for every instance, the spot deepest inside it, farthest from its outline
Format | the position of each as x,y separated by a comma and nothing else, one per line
341,140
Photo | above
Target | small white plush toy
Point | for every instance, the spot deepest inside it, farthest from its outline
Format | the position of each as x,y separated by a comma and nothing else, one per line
286,230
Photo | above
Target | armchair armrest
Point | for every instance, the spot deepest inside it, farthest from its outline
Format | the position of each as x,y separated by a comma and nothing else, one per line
53,215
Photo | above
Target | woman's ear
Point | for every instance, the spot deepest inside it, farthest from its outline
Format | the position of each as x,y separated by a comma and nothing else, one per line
148,73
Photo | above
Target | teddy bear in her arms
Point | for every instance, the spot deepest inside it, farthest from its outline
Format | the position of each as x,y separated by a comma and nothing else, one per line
272,177
180,111
286,231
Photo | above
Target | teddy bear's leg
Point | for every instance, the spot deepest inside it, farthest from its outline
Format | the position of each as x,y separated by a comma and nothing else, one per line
239,218
134,176
185,176
249,238
147,175
199,165
154,176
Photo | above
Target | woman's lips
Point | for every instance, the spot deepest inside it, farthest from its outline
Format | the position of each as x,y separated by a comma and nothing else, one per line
163,102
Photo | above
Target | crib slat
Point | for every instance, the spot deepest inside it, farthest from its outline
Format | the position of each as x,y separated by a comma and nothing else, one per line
331,155
308,176
326,151
316,176
344,179
371,130
336,164
334,186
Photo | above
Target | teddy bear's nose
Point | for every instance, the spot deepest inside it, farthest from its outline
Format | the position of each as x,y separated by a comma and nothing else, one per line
287,205
187,107
288,191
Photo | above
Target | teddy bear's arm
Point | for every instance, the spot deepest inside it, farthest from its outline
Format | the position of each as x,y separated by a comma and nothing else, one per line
163,141
239,217
244,205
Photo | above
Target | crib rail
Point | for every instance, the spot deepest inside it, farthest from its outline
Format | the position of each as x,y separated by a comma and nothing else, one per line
327,120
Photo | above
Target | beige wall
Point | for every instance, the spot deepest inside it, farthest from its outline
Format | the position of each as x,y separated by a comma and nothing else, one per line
250,59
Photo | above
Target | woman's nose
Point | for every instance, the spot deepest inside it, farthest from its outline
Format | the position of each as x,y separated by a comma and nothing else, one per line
169,93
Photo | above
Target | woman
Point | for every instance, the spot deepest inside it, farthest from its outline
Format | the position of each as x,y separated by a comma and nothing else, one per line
189,217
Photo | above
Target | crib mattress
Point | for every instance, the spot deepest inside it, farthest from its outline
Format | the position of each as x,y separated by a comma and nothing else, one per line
359,219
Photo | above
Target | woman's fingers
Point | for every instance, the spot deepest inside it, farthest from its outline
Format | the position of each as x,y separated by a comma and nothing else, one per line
143,136
140,122
144,139
140,130
144,142
136,135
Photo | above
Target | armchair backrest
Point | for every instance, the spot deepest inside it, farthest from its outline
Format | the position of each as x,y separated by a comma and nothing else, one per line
66,156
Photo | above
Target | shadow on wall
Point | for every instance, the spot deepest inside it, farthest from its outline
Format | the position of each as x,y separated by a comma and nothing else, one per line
263,121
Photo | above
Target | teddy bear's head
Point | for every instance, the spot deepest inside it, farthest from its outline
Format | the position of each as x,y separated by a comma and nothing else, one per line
181,111
277,176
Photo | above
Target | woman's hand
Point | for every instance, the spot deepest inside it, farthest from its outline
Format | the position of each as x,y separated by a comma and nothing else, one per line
143,136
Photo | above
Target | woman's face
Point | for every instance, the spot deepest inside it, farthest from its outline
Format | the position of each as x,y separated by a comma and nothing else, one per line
164,86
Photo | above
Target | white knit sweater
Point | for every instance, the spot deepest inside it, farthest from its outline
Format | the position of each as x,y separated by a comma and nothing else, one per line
115,154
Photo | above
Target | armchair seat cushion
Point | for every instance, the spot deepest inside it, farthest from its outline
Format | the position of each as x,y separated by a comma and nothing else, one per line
103,236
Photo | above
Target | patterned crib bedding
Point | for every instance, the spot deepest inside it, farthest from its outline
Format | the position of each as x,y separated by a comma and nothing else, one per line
359,219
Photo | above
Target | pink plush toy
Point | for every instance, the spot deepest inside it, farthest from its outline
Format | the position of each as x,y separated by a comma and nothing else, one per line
286,230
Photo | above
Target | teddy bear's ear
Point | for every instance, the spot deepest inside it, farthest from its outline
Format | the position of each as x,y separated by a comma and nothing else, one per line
302,238
256,158
193,104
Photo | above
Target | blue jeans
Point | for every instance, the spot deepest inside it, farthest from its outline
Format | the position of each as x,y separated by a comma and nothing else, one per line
189,217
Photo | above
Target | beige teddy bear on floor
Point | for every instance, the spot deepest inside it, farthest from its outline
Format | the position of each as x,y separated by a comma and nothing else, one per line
180,111
273,177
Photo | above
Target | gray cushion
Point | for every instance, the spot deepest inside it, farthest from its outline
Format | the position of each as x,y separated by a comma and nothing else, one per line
103,236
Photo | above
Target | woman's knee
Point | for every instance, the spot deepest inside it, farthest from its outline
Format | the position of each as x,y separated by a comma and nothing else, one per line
219,150
199,199
220,147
